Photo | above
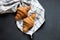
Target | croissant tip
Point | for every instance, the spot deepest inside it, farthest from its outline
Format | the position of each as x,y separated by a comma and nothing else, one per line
27,8
16,18
33,15
24,30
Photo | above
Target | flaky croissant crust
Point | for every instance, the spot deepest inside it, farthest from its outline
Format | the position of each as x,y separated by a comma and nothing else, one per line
22,12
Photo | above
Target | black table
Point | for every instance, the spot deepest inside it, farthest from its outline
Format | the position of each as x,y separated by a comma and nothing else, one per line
50,30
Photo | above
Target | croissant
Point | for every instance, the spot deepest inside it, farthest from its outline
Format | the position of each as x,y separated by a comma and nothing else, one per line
28,22
22,12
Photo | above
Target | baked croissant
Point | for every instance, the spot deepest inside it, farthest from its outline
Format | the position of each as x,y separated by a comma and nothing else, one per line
28,22
22,12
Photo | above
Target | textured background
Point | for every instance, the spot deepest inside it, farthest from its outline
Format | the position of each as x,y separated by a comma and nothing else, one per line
50,30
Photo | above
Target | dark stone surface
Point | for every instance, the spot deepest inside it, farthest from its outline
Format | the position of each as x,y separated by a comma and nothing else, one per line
50,30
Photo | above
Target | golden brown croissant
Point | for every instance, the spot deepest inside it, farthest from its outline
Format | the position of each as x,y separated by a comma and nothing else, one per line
28,22
22,12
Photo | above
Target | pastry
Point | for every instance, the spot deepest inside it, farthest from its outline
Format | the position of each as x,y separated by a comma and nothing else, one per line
28,22
22,12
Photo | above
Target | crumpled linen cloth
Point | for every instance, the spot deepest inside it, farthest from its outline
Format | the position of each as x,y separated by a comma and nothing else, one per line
10,6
